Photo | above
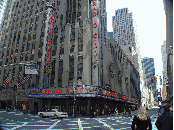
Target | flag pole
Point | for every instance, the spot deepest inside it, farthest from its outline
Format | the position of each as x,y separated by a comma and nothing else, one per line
16,97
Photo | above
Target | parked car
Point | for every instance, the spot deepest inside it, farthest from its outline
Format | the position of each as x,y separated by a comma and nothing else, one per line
56,113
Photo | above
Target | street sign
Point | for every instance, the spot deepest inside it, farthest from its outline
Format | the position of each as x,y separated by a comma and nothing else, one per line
31,69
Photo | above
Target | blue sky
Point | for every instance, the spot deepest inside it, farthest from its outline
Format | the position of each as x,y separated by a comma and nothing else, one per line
150,22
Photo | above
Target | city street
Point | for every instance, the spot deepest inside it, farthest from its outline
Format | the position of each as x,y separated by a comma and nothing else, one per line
12,120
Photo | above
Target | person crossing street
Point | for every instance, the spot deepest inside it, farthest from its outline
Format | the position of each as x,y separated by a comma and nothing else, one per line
129,113
124,113
116,110
165,120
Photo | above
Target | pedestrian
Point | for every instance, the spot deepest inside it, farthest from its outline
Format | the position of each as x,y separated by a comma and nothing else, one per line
129,112
103,112
141,120
109,112
165,120
158,111
116,110
91,112
124,112
97,112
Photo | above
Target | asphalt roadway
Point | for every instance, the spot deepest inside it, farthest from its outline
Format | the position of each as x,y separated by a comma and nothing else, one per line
19,121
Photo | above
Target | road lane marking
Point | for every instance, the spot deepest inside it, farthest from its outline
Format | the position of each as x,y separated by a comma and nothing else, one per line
54,125
105,124
25,123
80,125
152,115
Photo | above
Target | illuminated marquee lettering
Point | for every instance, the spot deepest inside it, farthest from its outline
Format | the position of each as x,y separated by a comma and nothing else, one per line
48,53
94,8
59,90
52,11
48,91
95,55
94,35
94,25
52,90
51,17
47,60
44,90
50,32
94,3
88,89
49,42
94,20
95,48
95,42
94,14
67,90
51,22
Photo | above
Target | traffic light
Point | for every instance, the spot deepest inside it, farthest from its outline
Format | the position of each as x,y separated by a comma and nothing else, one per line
50,70
46,69
151,79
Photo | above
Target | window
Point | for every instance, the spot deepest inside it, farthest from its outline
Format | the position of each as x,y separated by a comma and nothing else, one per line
34,36
38,3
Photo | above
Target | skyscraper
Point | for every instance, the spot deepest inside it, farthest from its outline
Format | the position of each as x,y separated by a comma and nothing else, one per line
148,66
124,35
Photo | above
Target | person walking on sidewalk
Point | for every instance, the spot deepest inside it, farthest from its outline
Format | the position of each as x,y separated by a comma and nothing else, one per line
165,120
141,120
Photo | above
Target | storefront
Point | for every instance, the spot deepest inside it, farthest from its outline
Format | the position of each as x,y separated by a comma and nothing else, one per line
87,99
6,103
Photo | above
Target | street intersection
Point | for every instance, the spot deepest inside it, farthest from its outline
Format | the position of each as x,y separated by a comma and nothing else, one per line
19,121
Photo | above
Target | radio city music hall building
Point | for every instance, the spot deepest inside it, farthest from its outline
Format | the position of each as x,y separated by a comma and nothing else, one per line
68,44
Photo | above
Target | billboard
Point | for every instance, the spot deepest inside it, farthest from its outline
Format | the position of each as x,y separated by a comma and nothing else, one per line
31,69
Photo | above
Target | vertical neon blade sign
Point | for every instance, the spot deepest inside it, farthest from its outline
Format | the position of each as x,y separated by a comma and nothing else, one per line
50,32
94,44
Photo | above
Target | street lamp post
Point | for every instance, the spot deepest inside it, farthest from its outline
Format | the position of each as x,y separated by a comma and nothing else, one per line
74,96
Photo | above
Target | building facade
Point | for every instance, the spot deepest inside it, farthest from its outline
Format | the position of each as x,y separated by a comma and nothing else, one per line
168,7
110,35
66,42
164,59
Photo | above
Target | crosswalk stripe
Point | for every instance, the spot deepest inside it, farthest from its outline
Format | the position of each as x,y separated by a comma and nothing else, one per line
80,125
54,125
105,124
25,123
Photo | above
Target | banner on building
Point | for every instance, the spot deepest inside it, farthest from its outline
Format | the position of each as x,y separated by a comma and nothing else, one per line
6,81
24,80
